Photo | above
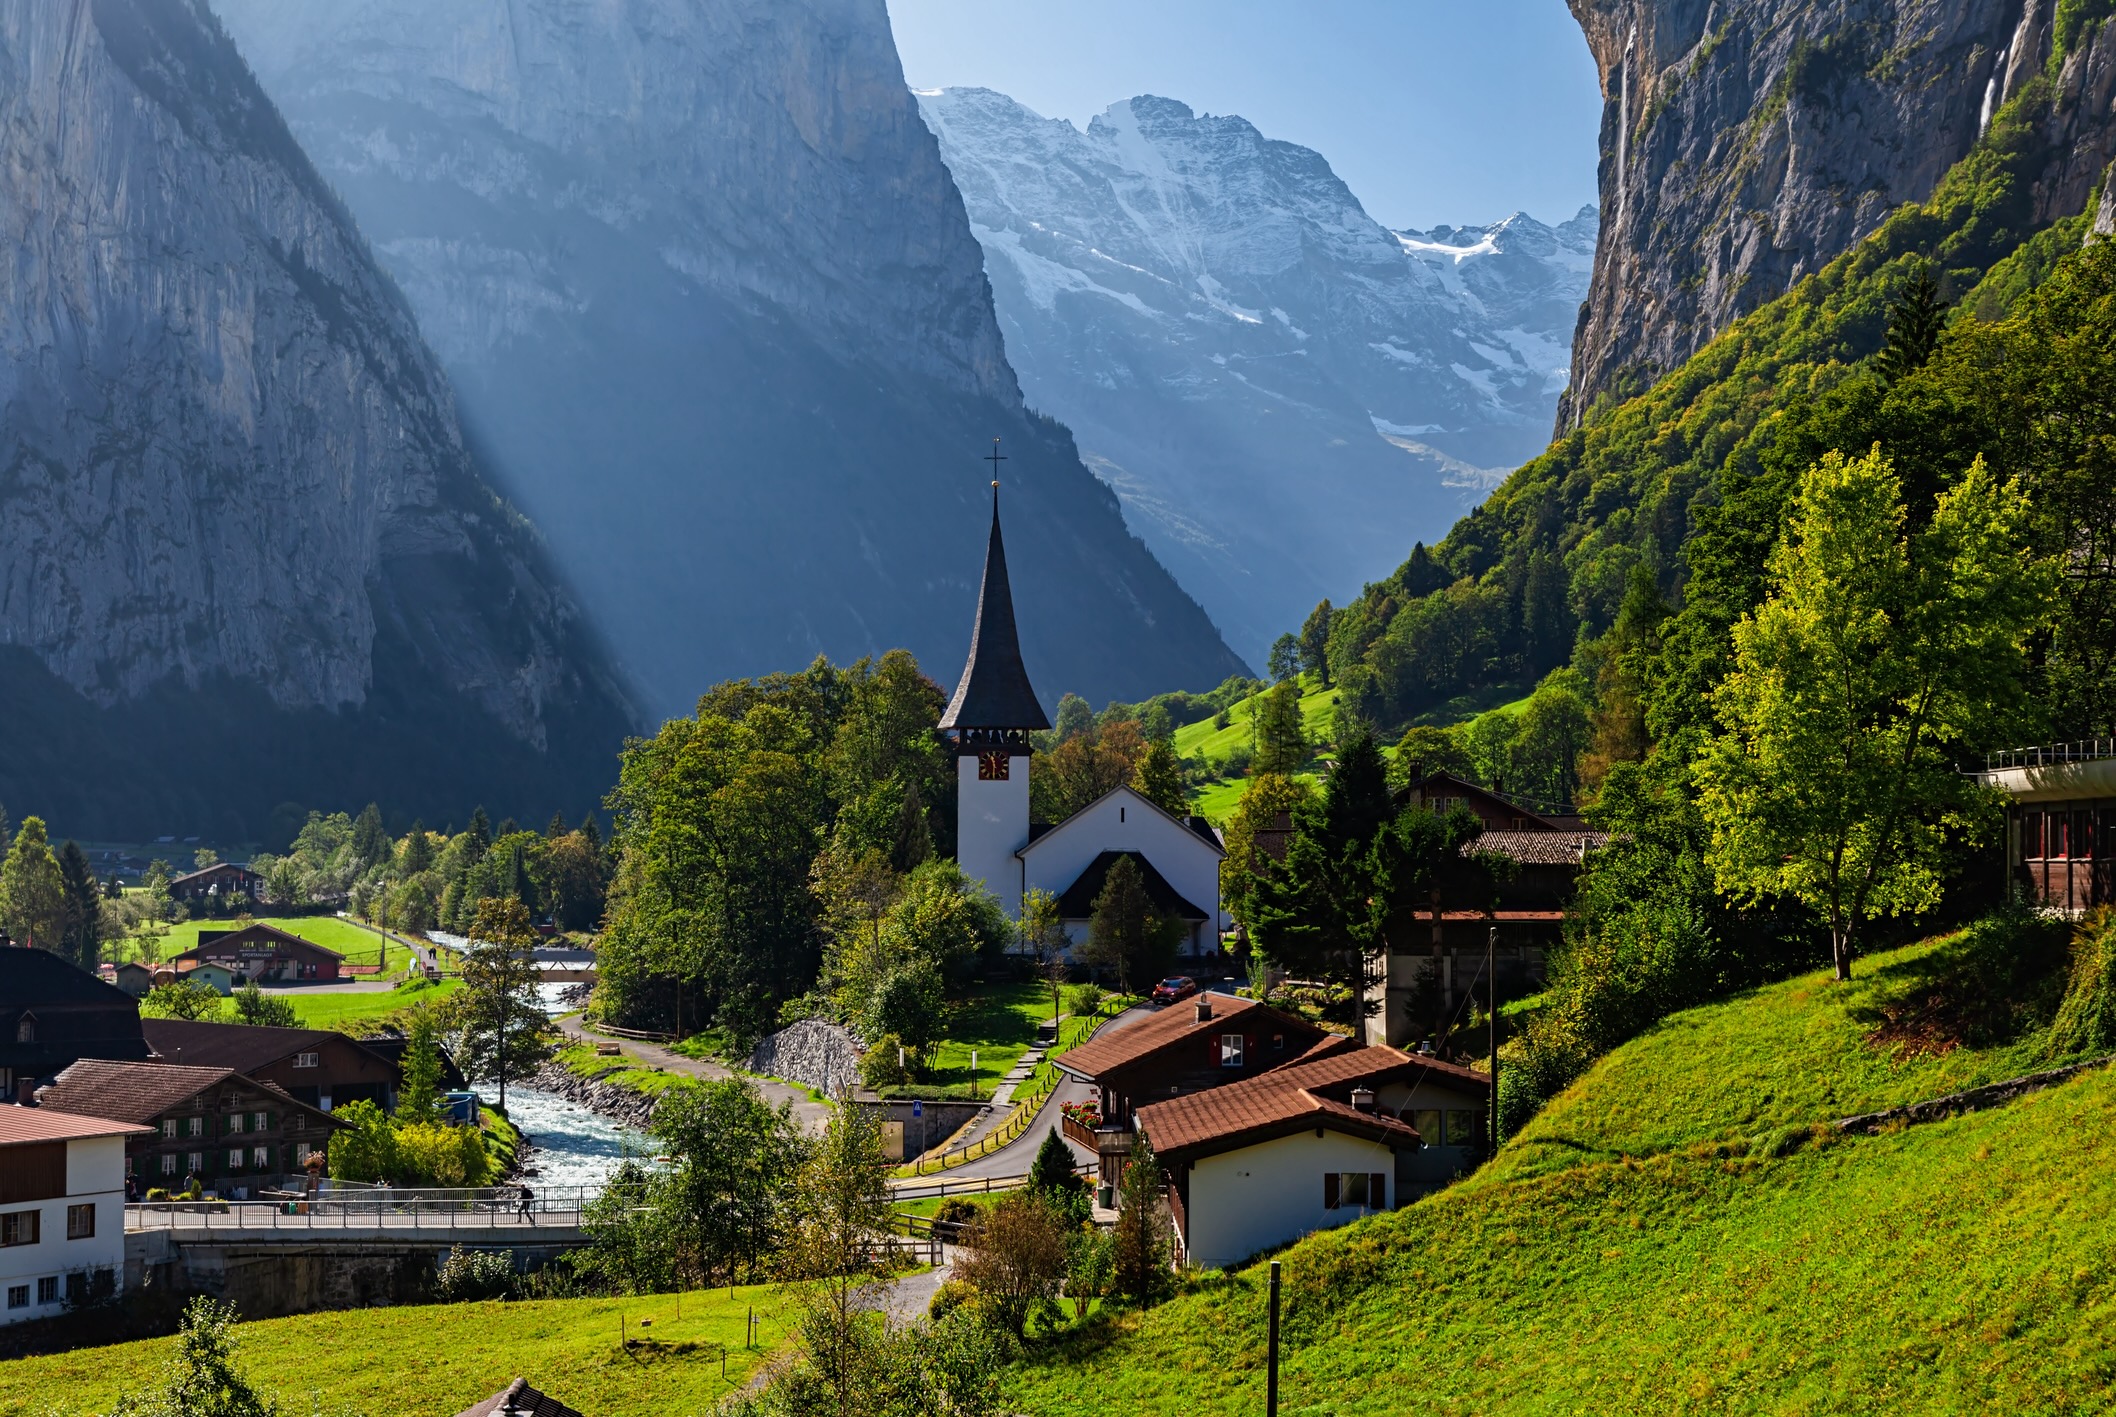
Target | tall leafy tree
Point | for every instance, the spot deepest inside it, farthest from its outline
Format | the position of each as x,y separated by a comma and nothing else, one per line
1159,779
1084,767
1876,657
728,1199
1314,644
503,1030
33,899
1284,660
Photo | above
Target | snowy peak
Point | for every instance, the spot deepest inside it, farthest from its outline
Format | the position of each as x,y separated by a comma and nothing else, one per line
1283,392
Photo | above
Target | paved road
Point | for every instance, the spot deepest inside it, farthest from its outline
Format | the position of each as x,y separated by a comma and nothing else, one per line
1013,1159
812,1115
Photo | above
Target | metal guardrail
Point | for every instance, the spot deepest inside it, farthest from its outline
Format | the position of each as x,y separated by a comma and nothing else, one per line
2086,750
433,1208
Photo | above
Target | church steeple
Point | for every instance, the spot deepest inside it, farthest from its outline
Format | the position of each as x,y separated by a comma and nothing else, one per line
994,701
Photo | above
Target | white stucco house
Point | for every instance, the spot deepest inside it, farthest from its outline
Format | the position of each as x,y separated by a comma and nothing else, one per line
989,721
1315,1144
62,1209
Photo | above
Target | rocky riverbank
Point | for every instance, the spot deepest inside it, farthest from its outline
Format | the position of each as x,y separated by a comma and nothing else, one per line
619,1104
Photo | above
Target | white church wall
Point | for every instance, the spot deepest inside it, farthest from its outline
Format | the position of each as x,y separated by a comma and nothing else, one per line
1125,821
992,823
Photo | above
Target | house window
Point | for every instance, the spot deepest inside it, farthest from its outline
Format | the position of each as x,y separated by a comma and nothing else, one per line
1278,1042
234,1126
1464,1129
195,1163
2031,836
48,1289
1431,1132
168,1126
261,1158
26,1031
1230,1050
194,1126
18,1296
19,1227
235,1158
304,1060
168,1163
257,1121
1355,1190
80,1222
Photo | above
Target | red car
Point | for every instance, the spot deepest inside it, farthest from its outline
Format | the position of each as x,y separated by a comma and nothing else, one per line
1174,989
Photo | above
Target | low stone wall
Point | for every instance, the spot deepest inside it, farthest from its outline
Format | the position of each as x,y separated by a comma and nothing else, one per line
619,1104
813,1053
1976,1099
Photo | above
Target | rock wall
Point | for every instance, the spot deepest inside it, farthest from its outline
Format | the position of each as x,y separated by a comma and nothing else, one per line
812,1052
1745,146
231,472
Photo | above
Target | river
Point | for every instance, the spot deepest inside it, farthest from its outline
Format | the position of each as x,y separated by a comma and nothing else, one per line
570,1146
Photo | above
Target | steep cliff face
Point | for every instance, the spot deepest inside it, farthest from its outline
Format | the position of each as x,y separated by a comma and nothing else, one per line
710,296
232,481
1744,146
1284,392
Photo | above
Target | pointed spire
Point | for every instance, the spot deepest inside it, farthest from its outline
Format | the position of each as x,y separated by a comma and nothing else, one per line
994,692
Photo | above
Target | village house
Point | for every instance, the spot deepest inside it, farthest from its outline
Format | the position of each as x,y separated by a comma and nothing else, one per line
1204,1042
134,978
2060,841
1494,924
1346,1132
989,720
315,1066
62,1209
238,1137
53,1013
261,954
216,883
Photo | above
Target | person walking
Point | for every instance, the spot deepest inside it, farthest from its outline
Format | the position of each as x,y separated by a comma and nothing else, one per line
528,1200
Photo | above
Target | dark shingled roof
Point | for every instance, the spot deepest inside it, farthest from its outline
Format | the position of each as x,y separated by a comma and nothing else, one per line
242,1046
141,1092
1078,901
995,690
518,1399
1539,848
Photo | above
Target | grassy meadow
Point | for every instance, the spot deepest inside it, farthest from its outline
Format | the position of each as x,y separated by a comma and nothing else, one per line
423,1360
1682,1232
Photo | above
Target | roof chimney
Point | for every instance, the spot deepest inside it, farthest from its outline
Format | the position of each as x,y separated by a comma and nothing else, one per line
25,1092
1362,1099
1204,1008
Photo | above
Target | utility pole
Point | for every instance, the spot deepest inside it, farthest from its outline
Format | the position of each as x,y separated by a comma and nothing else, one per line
1491,974
1271,1380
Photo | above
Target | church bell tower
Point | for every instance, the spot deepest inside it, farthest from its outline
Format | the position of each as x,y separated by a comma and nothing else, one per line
989,720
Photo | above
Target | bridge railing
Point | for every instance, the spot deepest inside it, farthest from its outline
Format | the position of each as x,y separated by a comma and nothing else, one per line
432,1207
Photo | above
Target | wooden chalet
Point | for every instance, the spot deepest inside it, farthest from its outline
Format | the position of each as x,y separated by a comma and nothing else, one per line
217,882
262,954
2060,844
237,1136
314,1066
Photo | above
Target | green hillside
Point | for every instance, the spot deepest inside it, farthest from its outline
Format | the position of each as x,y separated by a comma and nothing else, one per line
1680,1231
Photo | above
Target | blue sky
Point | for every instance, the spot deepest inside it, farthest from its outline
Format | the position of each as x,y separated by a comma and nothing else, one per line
1433,111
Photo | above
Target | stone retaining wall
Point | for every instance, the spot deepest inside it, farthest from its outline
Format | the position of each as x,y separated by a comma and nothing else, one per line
813,1053
619,1104
1976,1099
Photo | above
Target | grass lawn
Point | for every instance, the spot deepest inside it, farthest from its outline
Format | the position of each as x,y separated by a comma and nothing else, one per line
348,1012
421,1360
1218,800
1674,1235
582,1058
999,1021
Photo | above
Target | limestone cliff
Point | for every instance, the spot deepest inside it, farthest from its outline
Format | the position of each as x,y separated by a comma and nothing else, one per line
707,291
234,492
1744,146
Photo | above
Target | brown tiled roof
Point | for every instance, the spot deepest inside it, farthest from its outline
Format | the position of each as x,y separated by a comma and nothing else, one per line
1539,848
142,1092
1323,1047
241,1046
1284,1101
518,1399
1120,1048
20,1125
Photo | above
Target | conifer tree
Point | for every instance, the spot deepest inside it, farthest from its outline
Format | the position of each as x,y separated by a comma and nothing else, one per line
1917,317
1315,642
82,933
1281,739
1159,779
1141,1239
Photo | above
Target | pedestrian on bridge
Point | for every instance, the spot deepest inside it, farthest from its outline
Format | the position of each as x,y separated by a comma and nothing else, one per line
528,1200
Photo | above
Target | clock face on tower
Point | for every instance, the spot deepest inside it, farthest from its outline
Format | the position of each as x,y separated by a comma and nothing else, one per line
992,767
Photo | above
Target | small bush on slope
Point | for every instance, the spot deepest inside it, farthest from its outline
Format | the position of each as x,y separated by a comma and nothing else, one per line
2086,1020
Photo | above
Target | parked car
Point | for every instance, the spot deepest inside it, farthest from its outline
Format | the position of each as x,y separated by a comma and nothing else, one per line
1174,989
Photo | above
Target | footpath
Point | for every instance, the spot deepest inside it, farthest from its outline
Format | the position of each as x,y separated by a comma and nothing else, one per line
809,1114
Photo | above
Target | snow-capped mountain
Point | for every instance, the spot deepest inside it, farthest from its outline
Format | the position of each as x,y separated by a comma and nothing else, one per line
1285,393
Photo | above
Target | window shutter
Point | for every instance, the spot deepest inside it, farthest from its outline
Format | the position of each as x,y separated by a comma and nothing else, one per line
1378,1190
1329,1190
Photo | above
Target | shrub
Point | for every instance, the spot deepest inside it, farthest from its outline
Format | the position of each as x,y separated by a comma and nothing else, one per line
2086,1019
1015,1259
467,1275
880,1066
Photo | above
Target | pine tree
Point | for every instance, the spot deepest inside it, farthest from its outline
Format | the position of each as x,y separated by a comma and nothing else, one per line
1125,935
1281,739
1141,1259
1917,317
370,841
1315,642
1052,1170
82,934
420,1101
480,835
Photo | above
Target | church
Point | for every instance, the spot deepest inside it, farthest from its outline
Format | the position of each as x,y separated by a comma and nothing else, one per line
989,722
